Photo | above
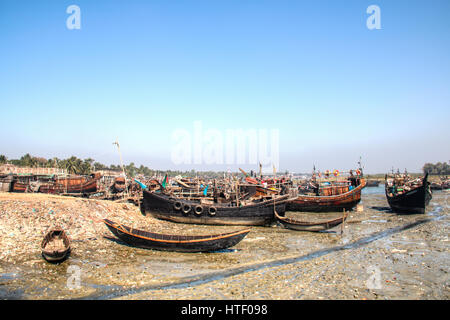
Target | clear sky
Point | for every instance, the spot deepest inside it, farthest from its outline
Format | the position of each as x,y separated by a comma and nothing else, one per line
139,70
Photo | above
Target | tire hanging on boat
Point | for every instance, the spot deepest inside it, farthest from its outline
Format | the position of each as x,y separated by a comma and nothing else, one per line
177,205
186,208
198,210
212,211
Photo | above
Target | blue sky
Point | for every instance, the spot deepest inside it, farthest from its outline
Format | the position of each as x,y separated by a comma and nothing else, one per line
138,70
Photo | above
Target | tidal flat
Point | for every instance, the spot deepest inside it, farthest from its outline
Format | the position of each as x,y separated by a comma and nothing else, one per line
376,254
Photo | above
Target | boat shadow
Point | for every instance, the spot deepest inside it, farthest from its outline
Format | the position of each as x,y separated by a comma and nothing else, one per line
58,262
383,209
118,241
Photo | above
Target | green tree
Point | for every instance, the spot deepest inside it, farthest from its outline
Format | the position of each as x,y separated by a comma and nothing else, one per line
26,160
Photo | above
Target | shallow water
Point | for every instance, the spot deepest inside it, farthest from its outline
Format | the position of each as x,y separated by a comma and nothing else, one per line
373,190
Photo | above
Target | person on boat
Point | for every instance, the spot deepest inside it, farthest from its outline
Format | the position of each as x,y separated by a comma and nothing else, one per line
353,180
314,185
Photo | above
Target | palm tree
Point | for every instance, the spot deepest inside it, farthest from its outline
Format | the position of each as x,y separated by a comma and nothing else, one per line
86,166
73,165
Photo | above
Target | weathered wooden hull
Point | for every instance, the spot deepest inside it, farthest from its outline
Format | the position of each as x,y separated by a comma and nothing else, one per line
68,185
173,209
6,183
309,225
119,184
347,201
411,202
439,186
17,186
64,187
155,241
55,256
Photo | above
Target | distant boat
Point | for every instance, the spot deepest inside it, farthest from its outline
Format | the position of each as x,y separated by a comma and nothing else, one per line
55,185
119,184
177,209
55,246
334,197
181,243
443,185
372,183
77,184
406,195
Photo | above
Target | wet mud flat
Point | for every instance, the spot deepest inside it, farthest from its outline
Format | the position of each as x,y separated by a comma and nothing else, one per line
379,255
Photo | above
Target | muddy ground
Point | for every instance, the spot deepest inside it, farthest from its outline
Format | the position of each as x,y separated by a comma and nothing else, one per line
380,255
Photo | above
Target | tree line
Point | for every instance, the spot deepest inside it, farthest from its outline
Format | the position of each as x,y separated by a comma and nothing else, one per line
74,165
440,168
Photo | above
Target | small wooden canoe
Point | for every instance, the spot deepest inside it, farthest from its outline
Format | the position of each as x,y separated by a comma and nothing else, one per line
181,243
310,225
55,246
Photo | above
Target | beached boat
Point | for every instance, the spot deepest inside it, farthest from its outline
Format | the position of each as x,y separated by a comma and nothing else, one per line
55,246
21,183
270,186
172,208
119,184
310,225
406,195
372,183
6,182
181,243
78,184
333,197
442,185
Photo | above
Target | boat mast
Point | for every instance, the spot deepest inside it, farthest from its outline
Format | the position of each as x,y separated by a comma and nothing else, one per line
360,166
121,164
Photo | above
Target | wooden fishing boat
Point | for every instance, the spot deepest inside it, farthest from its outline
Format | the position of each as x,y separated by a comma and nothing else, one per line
6,183
71,185
18,186
408,196
310,225
176,209
119,184
372,183
344,197
55,246
181,243
442,185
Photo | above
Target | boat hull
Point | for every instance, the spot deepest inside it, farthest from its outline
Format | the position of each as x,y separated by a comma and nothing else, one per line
310,226
62,186
347,201
165,207
55,256
411,202
148,240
